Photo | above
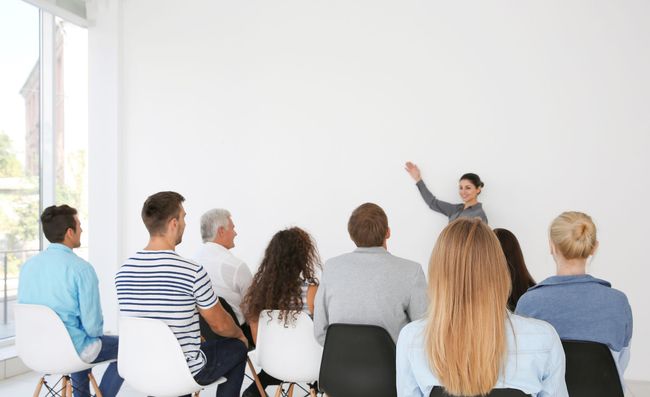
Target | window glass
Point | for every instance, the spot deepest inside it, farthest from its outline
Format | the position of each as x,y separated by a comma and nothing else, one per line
19,148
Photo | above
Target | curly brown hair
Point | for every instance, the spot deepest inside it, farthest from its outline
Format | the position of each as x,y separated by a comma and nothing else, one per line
289,260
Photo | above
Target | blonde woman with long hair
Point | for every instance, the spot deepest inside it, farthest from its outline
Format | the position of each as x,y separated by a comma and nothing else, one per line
469,343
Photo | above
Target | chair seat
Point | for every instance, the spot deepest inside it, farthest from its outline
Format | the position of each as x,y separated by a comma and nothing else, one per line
151,360
52,355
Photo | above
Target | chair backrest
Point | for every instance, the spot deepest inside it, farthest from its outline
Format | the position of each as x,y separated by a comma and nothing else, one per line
358,361
590,370
290,352
43,342
151,360
440,392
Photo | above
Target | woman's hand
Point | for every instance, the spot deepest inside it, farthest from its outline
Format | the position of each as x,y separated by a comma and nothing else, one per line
413,170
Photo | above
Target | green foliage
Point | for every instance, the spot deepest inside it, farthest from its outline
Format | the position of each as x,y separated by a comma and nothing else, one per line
9,164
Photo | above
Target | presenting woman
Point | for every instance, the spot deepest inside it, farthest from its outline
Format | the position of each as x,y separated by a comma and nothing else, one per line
469,187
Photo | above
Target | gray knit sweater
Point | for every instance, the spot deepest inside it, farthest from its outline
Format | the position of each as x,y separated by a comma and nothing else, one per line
372,287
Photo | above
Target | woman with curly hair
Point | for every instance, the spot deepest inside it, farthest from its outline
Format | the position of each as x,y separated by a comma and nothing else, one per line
285,281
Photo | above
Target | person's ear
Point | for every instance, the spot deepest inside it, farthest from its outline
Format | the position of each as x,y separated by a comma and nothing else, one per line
552,247
387,233
69,233
593,251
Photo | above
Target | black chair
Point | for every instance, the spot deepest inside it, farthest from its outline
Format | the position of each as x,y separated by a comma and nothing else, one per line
590,370
358,361
440,392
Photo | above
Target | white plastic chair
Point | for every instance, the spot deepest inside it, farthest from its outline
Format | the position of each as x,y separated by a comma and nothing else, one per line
44,345
151,360
290,352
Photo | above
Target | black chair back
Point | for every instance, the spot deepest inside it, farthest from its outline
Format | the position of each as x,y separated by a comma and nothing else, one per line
358,361
590,370
440,392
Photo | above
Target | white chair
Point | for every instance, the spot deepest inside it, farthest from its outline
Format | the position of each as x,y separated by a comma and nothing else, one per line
290,352
151,360
44,345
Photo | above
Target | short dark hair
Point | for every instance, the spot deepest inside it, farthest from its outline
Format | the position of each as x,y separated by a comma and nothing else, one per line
475,179
368,225
159,208
56,221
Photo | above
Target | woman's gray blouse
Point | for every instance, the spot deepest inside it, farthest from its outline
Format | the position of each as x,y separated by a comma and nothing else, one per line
453,211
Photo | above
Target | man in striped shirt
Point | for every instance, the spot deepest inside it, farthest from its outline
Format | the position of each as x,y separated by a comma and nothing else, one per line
158,283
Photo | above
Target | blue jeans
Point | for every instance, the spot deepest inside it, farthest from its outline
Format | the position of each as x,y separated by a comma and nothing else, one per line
224,357
111,381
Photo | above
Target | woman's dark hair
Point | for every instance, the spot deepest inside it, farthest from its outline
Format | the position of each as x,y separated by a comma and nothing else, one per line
289,260
475,179
521,278
56,221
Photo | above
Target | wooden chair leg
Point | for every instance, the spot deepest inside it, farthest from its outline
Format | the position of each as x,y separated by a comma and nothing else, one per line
290,392
260,388
93,382
278,393
64,385
39,386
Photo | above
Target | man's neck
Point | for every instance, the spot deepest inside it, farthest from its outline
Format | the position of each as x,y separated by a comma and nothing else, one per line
221,243
160,243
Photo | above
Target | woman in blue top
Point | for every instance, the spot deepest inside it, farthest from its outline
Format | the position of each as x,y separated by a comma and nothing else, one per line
469,187
469,343
578,305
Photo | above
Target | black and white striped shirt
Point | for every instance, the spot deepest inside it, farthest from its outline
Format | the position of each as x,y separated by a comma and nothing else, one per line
168,287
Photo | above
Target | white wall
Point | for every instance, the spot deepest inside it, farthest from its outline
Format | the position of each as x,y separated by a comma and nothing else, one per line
294,112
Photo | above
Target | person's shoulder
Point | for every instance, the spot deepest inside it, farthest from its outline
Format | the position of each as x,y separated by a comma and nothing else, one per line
412,333
165,257
527,327
405,264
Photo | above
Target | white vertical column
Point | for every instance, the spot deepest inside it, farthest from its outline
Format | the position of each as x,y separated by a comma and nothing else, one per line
47,158
104,115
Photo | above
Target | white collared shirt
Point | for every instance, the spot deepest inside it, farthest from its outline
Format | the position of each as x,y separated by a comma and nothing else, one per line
230,276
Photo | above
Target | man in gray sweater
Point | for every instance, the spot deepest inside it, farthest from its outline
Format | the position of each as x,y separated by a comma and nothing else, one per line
369,285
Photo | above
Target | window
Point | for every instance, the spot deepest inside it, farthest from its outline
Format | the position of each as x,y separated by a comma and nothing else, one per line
43,134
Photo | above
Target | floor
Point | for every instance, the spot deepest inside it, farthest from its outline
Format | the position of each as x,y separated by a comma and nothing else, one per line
24,385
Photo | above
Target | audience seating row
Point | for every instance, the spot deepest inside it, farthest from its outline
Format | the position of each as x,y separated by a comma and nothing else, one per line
356,361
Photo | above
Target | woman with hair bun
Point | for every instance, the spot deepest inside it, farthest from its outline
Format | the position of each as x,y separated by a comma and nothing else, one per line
469,187
578,305
469,343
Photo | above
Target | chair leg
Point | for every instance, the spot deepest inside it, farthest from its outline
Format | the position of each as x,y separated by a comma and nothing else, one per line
278,392
98,393
312,392
256,378
39,386
64,385
290,391
196,393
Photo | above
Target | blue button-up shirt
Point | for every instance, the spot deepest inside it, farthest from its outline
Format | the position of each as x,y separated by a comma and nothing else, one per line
534,363
66,283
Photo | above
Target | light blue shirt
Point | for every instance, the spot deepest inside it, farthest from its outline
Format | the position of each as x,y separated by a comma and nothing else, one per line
67,284
535,361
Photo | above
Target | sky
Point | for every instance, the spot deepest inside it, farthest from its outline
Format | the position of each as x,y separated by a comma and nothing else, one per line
19,51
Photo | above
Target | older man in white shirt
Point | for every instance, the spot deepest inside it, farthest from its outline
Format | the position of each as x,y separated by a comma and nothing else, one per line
230,276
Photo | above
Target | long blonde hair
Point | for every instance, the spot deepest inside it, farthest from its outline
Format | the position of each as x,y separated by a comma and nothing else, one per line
469,285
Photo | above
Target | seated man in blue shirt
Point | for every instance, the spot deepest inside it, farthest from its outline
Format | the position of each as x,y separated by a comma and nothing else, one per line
67,284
